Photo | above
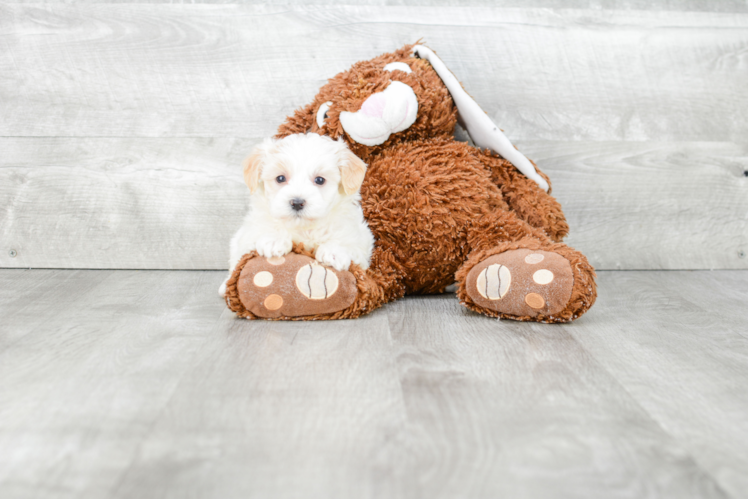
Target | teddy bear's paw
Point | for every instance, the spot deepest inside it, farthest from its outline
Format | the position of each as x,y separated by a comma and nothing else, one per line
293,286
522,283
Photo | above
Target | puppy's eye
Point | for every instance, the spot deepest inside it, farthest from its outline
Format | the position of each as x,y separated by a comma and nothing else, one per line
322,113
280,179
319,180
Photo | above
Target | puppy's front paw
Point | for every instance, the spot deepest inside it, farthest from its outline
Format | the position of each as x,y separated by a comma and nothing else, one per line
334,256
274,247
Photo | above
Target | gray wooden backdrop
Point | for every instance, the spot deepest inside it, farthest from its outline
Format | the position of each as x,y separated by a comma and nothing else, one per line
122,125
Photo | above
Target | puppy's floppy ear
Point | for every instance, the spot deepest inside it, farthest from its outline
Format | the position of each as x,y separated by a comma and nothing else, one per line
352,172
252,165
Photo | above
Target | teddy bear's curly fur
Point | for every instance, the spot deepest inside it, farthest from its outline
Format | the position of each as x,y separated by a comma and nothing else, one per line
441,211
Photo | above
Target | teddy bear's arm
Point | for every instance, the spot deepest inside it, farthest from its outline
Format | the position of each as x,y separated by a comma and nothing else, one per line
482,129
526,198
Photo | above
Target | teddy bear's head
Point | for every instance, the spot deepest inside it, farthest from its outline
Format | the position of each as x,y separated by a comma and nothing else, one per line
378,103
399,97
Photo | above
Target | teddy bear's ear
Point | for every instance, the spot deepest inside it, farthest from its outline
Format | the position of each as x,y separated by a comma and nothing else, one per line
483,131
252,166
300,122
352,172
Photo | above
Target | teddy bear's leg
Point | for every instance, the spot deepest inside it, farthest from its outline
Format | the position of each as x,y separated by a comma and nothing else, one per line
297,287
525,276
526,198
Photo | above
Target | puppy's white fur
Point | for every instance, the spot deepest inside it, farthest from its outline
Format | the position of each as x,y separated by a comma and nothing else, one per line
279,172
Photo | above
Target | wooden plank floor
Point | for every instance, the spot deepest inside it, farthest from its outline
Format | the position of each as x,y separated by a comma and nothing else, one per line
142,383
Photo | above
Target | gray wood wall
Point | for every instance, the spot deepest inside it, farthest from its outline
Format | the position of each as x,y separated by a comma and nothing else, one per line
122,125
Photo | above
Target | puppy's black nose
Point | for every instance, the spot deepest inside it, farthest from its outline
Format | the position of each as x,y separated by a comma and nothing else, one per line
297,204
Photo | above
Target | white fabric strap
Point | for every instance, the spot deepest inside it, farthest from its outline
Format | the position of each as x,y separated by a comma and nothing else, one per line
482,129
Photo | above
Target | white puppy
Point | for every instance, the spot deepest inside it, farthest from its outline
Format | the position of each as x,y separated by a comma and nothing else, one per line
304,189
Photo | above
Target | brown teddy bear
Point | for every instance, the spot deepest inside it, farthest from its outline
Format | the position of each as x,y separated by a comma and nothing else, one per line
441,211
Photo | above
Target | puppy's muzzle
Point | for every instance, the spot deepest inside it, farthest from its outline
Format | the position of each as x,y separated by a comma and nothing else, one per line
297,204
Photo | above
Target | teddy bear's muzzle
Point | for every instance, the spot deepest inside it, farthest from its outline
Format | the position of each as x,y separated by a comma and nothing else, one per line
382,114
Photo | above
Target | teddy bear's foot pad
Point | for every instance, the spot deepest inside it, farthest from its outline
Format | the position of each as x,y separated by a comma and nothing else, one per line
522,283
293,286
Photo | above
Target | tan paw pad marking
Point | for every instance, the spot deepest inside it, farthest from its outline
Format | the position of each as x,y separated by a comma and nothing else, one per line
263,279
534,258
316,282
276,261
273,302
534,300
542,277
494,281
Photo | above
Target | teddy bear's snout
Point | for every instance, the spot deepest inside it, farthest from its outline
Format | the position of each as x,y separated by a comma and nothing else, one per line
374,105
381,114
